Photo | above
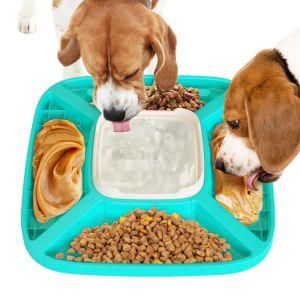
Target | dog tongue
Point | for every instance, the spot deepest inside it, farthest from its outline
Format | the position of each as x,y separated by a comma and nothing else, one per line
250,180
121,126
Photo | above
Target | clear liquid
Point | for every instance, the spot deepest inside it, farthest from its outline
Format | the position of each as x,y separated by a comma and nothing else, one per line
156,157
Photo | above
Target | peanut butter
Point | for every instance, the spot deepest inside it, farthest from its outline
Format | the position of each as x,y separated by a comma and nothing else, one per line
59,154
231,191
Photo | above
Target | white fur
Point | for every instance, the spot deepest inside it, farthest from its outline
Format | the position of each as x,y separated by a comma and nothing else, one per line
62,16
239,159
159,9
290,49
27,17
75,70
110,96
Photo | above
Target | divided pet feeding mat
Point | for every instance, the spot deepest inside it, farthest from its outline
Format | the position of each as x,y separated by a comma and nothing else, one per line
108,196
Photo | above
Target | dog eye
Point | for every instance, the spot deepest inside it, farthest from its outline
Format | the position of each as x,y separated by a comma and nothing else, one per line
234,124
131,75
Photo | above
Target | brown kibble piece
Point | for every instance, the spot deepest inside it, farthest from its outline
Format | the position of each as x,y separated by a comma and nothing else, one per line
126,247
59,256
71,251
83,242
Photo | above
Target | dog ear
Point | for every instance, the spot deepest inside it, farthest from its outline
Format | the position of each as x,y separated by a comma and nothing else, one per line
274,125
69,51
164,45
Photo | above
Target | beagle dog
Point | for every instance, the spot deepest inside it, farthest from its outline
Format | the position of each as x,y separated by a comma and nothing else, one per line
116,40
262,112
62,13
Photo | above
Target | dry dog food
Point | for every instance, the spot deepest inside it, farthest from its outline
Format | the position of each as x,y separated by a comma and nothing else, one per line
178,97
231,191
59,153
149,237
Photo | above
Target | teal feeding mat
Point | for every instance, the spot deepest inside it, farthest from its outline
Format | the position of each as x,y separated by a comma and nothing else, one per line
70,100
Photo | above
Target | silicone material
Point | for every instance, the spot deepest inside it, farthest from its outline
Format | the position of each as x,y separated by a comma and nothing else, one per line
70,100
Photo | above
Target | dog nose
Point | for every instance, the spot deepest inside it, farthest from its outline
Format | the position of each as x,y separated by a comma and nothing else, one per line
220,165
114,115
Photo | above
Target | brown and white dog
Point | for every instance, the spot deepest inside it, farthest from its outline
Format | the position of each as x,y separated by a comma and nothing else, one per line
262,111
116,40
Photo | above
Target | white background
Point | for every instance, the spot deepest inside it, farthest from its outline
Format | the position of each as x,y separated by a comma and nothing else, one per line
215,38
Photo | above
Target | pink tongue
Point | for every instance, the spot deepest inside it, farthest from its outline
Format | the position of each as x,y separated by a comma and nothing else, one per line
121,126
250,180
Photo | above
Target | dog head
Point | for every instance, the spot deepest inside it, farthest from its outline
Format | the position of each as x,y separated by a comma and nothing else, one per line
117,40
262,112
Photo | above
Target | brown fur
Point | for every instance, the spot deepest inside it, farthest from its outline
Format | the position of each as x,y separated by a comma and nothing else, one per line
117,38
147,3
56,3
267,105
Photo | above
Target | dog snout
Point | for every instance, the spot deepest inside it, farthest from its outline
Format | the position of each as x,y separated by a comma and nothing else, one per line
117,103
114,115
220,165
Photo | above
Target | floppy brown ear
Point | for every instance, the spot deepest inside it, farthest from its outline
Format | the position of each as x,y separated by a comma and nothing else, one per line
164,45
69,51
274,126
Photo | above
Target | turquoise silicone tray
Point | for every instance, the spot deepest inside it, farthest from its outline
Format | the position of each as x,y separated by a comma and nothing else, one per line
70,100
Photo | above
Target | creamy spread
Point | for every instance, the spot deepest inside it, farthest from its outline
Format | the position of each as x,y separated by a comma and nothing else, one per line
59,154
231,191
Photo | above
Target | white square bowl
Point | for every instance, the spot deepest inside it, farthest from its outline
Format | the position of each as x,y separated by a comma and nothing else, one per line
161,157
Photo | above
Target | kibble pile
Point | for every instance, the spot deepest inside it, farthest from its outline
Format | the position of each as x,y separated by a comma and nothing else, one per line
149,237
178,97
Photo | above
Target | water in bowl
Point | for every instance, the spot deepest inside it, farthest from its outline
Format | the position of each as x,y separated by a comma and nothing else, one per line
157,156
